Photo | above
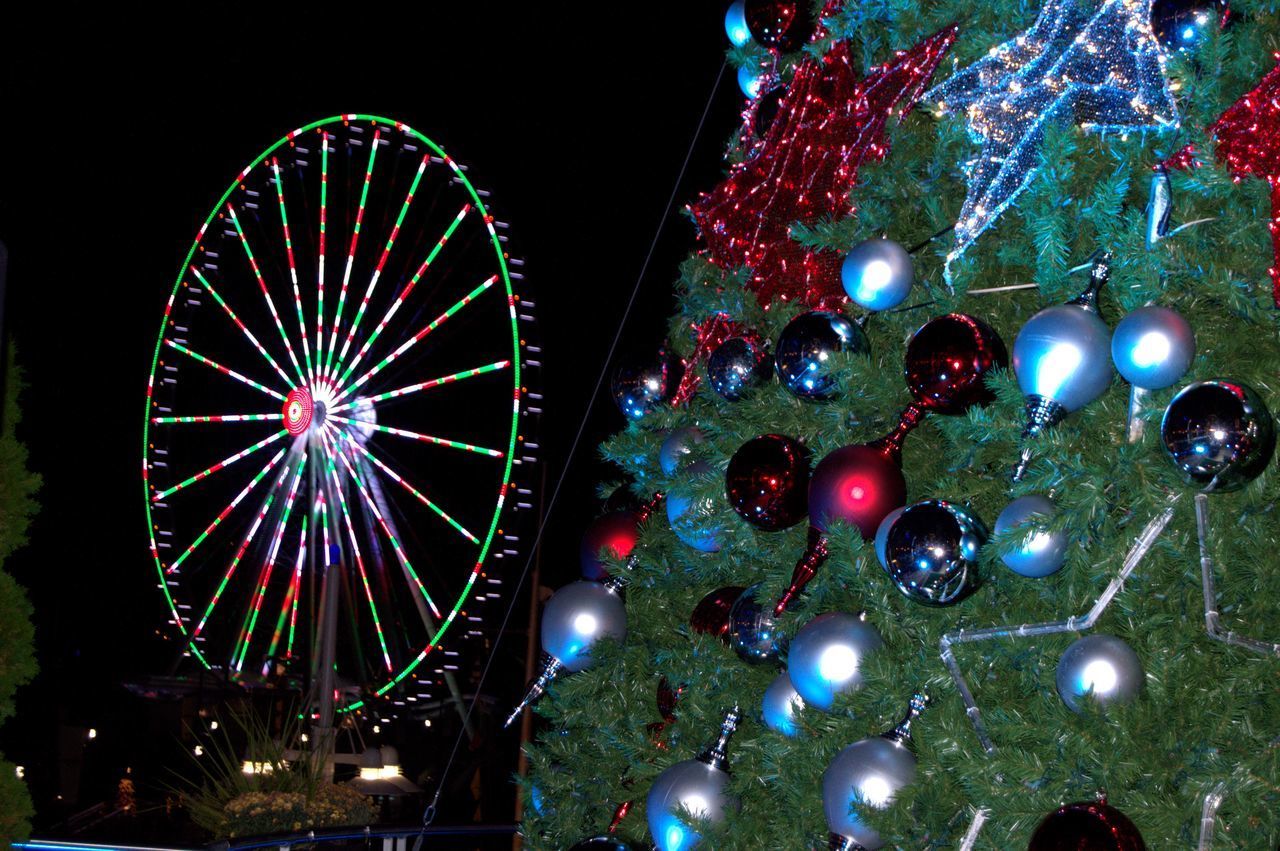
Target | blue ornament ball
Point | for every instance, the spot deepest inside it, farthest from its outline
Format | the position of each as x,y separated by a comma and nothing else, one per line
781,704
805,357
1185,25
1102,667
877,274
751,81
1153,347
826,657
676,448
735,23
688,517
1041,552
1063,355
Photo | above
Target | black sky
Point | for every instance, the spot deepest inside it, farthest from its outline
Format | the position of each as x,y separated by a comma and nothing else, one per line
116,142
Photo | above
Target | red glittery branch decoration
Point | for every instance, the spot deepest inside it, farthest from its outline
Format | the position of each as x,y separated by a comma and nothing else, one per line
709,334
1248,137
830,123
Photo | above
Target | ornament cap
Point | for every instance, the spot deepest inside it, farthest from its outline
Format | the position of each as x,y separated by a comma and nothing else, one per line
1041,414
551,668
1098,277
717,756
901,734
836,842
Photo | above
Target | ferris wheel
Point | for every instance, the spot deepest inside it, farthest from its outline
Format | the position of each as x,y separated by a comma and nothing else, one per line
335,411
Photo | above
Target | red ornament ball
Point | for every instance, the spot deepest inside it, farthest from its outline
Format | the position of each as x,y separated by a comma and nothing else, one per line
856,484
711,615
612,535
1092,825
781,24
767,482
948,360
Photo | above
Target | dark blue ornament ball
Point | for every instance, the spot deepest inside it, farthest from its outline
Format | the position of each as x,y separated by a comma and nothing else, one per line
805,357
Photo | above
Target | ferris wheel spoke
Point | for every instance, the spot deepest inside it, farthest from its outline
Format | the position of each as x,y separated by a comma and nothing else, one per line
425,438
215,418
268,566
414,340
329,368
404,293
355,549
266,294
382,261
290,602
236,559
425,385
293,268
226,512
239,324
221,465
410,573
176,346
421,497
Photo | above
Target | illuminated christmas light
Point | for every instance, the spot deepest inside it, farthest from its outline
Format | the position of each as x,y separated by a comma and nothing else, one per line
329,368
236,319
266,294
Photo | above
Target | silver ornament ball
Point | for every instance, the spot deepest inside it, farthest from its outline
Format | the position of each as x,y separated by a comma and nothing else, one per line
882,535
1153,347
827,655
693,786
689,516
676,448
577,616
1100,665
780,706
1063,355
1039,552
867,773
877,274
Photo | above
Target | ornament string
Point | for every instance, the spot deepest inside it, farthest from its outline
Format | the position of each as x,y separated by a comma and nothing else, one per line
1211,614
429,814
1076,623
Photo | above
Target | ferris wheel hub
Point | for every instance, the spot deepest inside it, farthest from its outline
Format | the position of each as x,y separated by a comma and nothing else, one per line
298,411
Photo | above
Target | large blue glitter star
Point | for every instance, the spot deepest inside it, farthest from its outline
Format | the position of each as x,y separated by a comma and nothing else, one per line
1101,69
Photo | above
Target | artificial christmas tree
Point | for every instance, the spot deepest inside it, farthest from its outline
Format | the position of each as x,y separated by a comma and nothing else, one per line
1169,707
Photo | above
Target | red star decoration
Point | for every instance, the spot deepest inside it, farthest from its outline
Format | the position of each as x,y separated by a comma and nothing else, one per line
830,123
1248,137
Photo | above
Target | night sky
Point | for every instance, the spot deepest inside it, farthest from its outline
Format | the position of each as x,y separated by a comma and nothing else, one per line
115,146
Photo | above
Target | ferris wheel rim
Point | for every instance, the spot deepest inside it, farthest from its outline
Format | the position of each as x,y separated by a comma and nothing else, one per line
515,364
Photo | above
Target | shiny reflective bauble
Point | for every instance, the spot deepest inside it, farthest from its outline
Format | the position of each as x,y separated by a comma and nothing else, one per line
882,535
827,654
1092,825
637,390
736,367
735,23
867,773
1153,347
780,706
600,843
753,629
689,517
1186,24
613,535
805,357
948,361
536,799
766,111
751,81
1063,354
691,786
676,448
877,274
1101,666
1039,552
767,482
858,485
781,24
711,615
1219,434
932,552
576,617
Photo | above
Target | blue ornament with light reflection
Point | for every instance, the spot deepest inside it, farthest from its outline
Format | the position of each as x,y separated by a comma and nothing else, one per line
1039,552
1062,358
827,655
805,357
877,274
780,706
735,23
1153,347
751,81
695,787
1185,25
689,517
676,448
1098,667
931,553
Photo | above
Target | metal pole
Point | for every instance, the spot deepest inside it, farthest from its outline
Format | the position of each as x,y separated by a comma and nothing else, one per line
530,662
327,639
